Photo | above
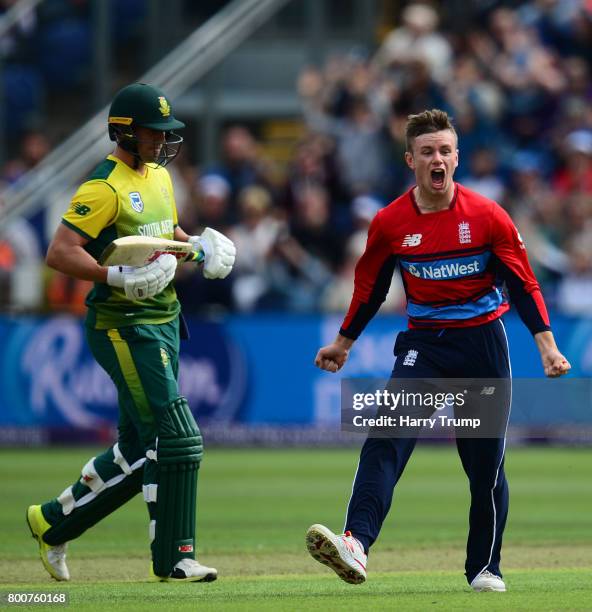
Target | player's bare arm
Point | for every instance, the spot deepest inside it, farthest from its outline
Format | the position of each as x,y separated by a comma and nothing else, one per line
67,255
333,356
554,363
181,234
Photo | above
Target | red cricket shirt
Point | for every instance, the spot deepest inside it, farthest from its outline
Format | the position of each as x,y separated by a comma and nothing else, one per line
452,262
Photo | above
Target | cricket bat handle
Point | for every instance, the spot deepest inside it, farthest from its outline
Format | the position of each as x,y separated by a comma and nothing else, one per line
195,256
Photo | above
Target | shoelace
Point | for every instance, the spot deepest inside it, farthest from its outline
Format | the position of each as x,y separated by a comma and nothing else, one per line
351,542
59,552
488,574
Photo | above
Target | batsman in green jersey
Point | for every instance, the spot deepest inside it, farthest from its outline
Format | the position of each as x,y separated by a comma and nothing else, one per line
133,330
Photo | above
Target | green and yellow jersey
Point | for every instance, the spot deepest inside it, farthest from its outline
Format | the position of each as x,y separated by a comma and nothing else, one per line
116,201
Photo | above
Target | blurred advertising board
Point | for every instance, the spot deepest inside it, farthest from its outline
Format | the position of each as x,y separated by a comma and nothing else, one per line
240,370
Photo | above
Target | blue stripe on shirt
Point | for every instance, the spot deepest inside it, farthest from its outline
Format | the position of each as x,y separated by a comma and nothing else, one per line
457,312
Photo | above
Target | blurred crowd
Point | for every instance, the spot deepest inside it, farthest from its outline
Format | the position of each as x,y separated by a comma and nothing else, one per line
42,41
518,86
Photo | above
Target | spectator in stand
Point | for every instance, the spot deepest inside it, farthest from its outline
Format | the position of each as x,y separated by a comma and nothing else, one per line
540,218
397,177
304,254
184,176
242,163
337,295
255,237
211,208
417,39
574,296
67,294
312,164
530,74
575,105
20,265
34,147
358,140
469,88
579,27
213,202
575,176
296,278
417,87
311,226
484,176
517,82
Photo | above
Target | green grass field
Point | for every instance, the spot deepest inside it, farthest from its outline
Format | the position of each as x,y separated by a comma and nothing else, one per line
255,505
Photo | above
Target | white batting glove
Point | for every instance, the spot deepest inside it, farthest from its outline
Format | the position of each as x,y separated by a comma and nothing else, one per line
219,253
143,282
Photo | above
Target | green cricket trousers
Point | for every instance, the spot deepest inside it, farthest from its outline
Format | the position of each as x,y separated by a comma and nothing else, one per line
158,449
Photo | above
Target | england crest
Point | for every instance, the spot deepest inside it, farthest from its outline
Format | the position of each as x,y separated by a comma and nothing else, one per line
464,233
136,201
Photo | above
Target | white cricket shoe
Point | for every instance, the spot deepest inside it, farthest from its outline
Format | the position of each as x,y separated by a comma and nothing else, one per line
188,570
486,581
52,557
342,553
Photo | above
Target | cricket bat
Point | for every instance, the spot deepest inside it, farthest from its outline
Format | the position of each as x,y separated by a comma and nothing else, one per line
142,250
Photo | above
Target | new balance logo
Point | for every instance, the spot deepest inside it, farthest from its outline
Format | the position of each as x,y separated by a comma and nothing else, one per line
80,209
464,233
488,391
411,240
410,358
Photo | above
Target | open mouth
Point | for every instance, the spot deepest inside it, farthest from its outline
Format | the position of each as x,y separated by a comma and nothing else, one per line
438,178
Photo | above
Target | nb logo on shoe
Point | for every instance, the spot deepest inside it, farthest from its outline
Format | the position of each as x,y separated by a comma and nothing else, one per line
412,240
410,358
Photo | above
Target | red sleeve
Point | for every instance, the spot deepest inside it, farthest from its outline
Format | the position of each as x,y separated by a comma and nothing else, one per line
513,267
373,275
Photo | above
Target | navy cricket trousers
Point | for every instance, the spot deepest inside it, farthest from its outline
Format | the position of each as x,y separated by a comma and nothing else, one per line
473,352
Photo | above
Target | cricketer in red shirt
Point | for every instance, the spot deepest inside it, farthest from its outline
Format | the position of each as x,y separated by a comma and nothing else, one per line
454,249
451,245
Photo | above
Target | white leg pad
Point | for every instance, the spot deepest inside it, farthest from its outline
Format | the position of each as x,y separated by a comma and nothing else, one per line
119,459
91,478
66,499
152,531
150,492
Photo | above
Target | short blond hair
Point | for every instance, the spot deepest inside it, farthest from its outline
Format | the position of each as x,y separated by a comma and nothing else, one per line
429,121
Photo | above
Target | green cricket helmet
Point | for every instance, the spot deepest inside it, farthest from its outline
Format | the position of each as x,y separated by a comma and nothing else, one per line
141,105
